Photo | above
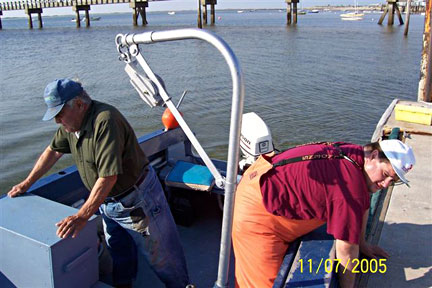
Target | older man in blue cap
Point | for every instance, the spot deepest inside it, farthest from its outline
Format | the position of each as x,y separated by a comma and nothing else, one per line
117,173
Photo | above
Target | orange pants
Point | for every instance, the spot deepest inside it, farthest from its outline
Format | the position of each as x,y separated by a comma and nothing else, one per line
261,239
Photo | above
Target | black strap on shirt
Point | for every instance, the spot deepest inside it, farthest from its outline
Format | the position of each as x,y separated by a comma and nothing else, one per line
341,155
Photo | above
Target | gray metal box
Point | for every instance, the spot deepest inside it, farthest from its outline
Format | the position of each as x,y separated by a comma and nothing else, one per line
32,255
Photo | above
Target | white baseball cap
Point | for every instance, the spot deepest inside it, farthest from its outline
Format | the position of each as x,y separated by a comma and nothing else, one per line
400,155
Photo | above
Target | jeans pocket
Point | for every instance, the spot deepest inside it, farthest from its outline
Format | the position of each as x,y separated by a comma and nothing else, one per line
139,221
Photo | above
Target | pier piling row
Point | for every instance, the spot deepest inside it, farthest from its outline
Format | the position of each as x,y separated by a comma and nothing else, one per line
139,8
203,18
36,6
292,11
29,12
390,9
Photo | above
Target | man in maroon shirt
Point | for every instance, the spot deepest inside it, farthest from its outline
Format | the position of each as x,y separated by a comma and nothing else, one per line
283,197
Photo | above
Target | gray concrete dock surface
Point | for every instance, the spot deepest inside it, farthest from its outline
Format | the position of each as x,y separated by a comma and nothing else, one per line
407,231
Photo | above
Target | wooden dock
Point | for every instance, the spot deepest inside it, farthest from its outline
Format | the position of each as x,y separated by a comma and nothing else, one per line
138,9
405,223
36,7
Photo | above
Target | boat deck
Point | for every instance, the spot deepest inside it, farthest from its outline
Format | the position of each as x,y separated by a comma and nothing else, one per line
407,227
201,242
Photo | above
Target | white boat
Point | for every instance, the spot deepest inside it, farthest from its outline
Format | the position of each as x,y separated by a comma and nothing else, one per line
74,20
240,11
171,13
314,11
84,19
352,16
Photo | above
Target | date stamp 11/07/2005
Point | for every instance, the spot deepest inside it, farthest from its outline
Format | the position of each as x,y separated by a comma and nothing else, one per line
336,265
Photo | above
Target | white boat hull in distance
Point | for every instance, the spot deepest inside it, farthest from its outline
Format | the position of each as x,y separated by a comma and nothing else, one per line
352,16
352,19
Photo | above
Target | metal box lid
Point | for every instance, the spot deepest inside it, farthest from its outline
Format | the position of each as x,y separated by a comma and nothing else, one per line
33,217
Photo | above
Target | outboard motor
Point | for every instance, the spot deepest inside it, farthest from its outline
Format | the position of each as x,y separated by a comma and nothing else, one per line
255,139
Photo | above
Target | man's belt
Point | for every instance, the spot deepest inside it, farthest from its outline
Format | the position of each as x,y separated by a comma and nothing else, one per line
128,191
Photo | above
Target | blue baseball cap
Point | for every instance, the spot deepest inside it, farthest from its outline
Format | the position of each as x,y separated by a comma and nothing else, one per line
57,93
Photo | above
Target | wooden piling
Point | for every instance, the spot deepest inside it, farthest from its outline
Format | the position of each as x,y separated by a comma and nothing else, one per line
383,15
134,17
205,14
139,8
79,7
77,19
204,19
30,22
425,83
391,12
40,20
1,13
199,15
212,14
87,17
391,8
289,14
291,11
396,7
37,11
407,18
142,12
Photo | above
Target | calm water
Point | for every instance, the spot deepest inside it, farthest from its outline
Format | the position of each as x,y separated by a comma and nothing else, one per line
324,79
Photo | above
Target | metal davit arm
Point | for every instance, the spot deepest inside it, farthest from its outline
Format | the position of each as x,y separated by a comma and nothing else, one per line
235,125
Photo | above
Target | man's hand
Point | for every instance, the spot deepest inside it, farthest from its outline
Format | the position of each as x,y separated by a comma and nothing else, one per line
346,253
18,189
71,225
46,160
372,251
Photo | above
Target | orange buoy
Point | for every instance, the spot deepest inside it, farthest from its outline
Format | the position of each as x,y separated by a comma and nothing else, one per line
168,120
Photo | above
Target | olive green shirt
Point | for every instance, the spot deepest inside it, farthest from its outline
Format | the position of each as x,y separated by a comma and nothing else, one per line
106,146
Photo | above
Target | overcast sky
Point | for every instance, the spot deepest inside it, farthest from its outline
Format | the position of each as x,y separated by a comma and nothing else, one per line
176,5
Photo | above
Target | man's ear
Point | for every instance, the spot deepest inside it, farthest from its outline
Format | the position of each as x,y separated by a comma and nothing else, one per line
370,155
374,154
79,103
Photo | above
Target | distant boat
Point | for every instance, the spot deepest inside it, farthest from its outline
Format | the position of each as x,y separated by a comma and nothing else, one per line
74,20
84,19
352,16
301,12
240,11
314,11
171,12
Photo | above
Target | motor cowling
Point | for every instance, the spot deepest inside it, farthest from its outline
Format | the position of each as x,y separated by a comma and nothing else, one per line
255,139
